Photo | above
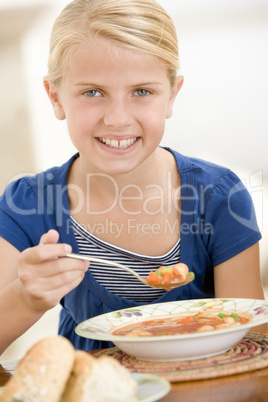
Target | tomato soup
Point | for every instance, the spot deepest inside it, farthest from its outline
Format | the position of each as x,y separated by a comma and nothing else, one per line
184,324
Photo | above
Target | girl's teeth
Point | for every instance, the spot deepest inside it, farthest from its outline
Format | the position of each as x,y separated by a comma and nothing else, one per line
114,143
118,143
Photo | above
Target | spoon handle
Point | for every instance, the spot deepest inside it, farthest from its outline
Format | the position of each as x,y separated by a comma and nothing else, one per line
106,262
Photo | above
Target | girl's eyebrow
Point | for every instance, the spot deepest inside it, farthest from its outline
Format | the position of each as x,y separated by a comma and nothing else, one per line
148,83
85,84
142,84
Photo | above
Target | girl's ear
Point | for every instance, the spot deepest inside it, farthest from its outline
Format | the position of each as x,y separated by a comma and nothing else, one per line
173,95
54,97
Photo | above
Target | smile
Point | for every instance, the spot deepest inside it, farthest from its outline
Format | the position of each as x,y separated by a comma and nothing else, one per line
119,144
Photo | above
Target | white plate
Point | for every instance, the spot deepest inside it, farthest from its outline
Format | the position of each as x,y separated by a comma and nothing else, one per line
175,347
150,387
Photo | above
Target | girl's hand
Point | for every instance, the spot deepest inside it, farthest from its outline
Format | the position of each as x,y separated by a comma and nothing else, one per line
44,276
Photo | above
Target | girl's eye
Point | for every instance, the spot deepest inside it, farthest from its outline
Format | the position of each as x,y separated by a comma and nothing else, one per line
142,92
92,93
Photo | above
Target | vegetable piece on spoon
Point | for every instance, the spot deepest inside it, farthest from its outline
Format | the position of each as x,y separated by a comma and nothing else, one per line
170,277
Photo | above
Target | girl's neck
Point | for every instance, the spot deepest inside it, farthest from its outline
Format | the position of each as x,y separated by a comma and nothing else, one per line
156,170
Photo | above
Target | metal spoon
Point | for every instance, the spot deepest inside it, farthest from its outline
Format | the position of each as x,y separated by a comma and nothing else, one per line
167,286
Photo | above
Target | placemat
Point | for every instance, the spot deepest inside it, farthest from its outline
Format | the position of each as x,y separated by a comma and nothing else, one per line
250,354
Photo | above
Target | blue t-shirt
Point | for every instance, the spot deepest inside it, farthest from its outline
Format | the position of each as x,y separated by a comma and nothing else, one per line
217,222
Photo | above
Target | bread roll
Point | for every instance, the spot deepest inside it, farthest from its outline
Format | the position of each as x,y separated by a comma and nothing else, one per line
42,373
101,379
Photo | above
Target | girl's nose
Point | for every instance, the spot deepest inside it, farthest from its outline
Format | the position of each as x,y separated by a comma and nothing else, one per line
117,114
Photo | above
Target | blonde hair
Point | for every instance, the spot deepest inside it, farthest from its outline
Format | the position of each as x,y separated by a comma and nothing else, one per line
141,25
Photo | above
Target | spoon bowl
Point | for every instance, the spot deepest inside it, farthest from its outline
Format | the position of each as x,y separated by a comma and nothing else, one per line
166,286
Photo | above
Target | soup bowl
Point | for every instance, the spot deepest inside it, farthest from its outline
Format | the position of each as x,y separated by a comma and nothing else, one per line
178,346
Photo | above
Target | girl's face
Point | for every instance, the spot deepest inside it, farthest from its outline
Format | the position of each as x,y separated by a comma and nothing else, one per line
115,102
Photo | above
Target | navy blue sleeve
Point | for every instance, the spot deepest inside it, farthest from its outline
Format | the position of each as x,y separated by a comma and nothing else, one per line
21,221
231,213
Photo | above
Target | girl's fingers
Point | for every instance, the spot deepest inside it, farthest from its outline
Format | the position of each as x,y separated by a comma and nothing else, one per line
60,267
48,262
59,280
51,237
44,284
45,275
45,252
43,300
48,249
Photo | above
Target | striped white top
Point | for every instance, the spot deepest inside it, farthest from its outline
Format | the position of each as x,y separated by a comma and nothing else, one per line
116,280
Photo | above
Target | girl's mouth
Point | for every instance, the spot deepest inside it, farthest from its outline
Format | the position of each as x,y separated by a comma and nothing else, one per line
118,144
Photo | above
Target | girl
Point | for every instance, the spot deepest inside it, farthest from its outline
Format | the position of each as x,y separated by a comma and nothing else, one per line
112,74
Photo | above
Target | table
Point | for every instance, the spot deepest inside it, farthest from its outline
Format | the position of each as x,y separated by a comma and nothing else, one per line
247,387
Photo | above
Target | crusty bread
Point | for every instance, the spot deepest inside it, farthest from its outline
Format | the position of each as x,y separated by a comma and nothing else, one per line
52,371
75,389
42,373
101,379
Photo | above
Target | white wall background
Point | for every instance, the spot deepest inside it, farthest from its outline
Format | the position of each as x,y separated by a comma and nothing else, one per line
221,113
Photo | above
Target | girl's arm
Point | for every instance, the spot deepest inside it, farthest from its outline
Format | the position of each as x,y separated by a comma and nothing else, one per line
240,277
16,317
33,282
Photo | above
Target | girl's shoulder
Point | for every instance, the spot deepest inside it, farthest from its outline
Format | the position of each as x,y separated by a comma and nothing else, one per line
56,175
199,171
31,205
